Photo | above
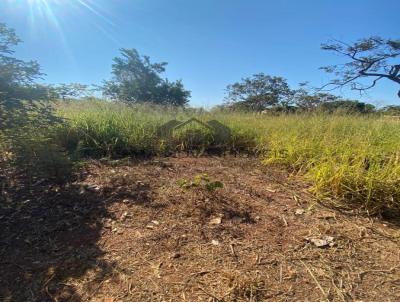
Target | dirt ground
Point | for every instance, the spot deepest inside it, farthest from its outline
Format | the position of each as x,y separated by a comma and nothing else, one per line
162,230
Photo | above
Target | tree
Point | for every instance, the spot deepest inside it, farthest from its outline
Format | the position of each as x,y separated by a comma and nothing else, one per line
346,106
310,102
18,91
136,79
392,110
370,58
72,90
306,99
260,92
16,76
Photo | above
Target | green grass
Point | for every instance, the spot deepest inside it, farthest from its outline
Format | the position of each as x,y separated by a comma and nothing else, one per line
99,128
352,160
356,160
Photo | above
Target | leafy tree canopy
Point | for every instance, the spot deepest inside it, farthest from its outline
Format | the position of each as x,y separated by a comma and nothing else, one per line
136,79
71,90
17,76
391,110
18,91
346,106
260,92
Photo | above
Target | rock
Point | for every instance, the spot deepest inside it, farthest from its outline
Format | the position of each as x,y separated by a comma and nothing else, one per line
216,220
326,241
175,255
93,188
299,212
123,216
214,242
326,215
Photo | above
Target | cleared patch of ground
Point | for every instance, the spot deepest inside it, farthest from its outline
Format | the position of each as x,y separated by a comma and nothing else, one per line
156,230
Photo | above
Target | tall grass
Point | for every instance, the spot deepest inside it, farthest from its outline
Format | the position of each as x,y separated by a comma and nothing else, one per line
354,160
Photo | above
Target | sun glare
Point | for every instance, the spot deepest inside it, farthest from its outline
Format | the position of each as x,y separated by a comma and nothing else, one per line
57,14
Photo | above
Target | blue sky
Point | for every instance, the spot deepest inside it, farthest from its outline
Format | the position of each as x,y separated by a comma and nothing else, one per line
208,44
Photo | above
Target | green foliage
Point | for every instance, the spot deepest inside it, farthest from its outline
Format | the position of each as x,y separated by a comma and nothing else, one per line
353,159
192,137
16,76
391,110
70,91
201,181
346,106
113,129
260,92
136,80
212,186
39,158
306,101
21,100
349,158
26,118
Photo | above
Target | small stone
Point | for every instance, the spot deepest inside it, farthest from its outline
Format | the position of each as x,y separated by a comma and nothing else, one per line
155,222
326,215
93,188
175,255
216,220
214,242
299,212
123,216
326,241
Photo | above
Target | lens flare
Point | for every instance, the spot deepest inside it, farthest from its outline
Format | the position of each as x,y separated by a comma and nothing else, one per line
57,14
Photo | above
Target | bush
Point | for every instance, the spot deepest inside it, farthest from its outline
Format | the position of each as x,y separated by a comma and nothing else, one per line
27,143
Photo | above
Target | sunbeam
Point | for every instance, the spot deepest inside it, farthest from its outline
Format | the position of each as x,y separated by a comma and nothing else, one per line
45,9
56,14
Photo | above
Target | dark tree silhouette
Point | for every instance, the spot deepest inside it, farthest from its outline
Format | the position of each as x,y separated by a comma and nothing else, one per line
370,58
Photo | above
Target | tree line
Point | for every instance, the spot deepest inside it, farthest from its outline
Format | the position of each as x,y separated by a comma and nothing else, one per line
136,79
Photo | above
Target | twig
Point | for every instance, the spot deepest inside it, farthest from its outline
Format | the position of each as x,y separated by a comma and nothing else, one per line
315,279
209,294
46,286
389,271
284,221
232,250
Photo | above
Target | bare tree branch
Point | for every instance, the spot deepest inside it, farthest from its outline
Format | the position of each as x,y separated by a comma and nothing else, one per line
369,58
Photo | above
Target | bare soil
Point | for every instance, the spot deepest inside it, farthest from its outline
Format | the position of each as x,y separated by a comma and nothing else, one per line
127,231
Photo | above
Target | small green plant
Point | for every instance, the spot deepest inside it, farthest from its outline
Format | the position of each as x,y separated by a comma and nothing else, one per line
212,186
200,180
183,183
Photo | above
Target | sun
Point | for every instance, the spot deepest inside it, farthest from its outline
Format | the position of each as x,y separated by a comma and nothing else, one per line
42,15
